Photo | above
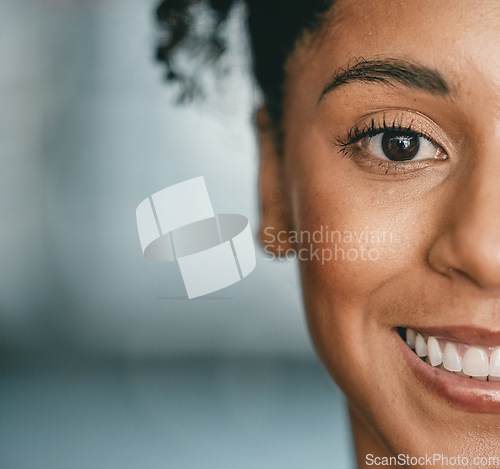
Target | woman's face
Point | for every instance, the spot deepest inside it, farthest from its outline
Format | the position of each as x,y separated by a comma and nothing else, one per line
396,168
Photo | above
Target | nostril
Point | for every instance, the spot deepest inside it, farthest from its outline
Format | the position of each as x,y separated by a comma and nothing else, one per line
460,257
454,272
482,274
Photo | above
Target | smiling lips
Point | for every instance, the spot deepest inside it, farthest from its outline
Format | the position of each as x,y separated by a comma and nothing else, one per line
479,362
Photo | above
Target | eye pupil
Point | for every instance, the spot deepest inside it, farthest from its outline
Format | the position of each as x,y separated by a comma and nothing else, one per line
400,146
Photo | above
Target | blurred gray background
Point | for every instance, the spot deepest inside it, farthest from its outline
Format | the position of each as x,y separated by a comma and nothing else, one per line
104,361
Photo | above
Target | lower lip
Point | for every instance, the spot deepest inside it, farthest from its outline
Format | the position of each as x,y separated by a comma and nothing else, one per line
468,393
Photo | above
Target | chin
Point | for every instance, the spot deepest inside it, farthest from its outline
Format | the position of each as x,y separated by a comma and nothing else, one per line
416,389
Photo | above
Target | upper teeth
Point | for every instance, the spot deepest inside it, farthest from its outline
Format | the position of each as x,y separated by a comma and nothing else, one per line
478,362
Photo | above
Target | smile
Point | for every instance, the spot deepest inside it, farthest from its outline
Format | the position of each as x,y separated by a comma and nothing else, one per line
474,361
463,368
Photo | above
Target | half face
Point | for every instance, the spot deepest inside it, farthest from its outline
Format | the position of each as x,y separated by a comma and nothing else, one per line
392,151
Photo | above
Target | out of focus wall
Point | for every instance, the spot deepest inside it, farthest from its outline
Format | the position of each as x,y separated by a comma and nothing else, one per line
88,129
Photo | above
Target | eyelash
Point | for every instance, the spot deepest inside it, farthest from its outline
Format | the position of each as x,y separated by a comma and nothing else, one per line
357,133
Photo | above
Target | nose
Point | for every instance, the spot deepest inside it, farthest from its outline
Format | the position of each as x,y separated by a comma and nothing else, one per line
469,247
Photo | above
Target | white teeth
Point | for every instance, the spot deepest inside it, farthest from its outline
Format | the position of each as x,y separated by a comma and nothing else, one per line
476,362
411,335
481,363
452,361
434,352
495,364
480,378
420,346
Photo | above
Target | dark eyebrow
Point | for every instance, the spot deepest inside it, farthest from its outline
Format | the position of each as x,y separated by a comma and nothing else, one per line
390,71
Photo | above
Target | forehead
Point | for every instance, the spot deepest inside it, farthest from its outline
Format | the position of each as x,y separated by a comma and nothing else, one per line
459,38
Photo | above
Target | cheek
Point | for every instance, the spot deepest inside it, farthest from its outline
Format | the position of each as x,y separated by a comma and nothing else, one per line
362,235
366,242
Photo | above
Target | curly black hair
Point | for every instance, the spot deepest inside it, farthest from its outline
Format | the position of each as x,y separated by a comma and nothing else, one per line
273,28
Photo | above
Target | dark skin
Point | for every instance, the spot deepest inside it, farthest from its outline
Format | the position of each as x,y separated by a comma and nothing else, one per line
441,265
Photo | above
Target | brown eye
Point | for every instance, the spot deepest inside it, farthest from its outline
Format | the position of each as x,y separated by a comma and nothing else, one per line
400,146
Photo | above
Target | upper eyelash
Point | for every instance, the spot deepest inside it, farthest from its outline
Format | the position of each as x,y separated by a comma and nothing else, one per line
356,133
